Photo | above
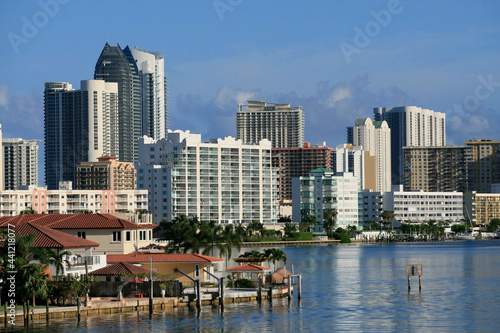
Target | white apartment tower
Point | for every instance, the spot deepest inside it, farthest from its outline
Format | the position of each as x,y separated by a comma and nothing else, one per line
80,126
360,163
281,124
20,163
411,126
374,137
154,86
222,180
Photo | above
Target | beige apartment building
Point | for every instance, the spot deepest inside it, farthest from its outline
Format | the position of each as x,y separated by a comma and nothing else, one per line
106,174
486,164
437,169
481,208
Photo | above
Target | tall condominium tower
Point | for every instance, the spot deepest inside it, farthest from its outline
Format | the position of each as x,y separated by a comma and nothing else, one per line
485,164
296,162
80,126
154,87
20,159
223,180
117,65
281,124
354,159
1,161
411,126
438,169
374,137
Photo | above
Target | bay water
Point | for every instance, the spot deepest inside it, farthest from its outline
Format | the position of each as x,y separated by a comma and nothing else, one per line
346,288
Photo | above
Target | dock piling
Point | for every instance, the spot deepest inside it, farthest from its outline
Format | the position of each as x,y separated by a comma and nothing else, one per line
221,296
198,294
290,287
78,308
259,293
299,285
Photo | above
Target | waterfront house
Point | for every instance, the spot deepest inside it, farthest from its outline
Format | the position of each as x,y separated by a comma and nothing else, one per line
191,264
117,272
113,234
249,271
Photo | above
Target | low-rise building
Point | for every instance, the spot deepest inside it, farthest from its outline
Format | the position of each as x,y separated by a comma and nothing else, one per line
43,201
106,174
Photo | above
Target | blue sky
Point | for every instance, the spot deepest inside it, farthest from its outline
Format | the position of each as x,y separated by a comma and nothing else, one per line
441,55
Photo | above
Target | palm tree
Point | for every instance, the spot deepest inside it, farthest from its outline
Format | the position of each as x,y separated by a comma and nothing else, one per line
329,220
387,217
231,239
58,259
307,222
275,255
177,232
212,234
289,229
255,227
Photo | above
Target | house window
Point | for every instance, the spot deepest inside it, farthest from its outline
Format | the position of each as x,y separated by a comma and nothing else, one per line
117,236
82,234
150,235
127,236
196,271
142,235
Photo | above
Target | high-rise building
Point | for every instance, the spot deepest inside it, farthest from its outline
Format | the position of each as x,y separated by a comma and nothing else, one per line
296,162
80,126
354,159
323,190
374,137
117,65
223,180
154,85
105,174
481,208
20,161
411,126
485,164
438,169
281,124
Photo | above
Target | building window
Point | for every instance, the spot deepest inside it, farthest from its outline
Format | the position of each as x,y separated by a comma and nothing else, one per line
127,236
82,234
117,236
142,235
196,271
150,235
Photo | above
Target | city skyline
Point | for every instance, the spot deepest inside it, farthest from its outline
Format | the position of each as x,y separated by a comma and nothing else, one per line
340,62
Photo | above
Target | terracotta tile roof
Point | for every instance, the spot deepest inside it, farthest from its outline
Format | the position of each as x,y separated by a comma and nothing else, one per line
50,238
74,221
139,257
248,268
119,268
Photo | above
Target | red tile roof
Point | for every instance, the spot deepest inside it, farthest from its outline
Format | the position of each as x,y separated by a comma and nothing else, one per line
50,238
248,268
119,268
139,257
74,221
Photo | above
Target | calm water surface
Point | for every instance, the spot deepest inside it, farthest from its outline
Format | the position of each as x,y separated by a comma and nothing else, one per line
357,288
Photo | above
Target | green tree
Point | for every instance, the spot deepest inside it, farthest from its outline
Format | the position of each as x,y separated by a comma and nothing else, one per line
255,229
275,256
212,234
458,228
58,260
177,232
493,225
231,239
307,222
329,220
289,229
387,217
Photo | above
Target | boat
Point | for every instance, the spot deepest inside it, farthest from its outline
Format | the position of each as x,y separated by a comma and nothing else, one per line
469,236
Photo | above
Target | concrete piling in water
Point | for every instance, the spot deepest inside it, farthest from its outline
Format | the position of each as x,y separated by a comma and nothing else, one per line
221,296
198,294
290,287
259,293
78,308
299,286
409,284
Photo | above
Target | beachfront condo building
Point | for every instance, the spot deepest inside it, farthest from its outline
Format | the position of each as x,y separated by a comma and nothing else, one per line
411,126
20,163
420,206
481,208
67,201
222,180
80,126
323,190
281,124
485,164
374,137
1,161
349,158
438,169
105,174
296,162
154,96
